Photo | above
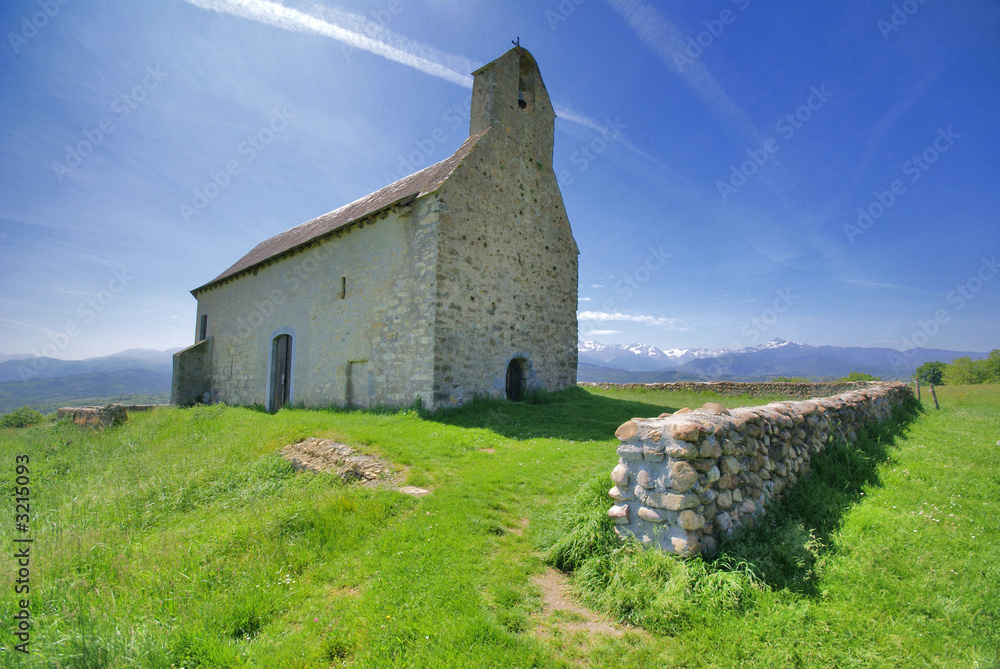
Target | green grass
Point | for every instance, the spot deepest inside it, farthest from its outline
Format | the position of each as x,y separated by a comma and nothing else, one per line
182,539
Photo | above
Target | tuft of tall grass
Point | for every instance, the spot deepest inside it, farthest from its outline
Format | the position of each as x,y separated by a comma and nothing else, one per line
647,588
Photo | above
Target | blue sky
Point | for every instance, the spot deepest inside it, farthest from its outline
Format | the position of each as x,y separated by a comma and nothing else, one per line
734,170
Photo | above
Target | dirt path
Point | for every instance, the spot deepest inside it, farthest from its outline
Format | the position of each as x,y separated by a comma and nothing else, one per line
560,612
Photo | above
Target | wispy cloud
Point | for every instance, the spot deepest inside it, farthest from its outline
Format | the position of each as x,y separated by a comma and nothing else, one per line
876,284
618,317
603,332
568,114
911,93
28,325
358,32
347,28
664,39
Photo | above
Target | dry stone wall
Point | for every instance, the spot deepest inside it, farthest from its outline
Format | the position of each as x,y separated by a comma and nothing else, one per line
796,390
686,481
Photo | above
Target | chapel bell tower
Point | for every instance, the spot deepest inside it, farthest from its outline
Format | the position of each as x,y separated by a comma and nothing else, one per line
509,95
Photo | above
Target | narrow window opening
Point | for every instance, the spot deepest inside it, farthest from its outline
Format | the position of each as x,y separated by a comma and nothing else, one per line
343,287
203,328
526,84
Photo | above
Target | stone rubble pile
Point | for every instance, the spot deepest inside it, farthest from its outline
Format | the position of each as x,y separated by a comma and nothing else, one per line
325,455
685,481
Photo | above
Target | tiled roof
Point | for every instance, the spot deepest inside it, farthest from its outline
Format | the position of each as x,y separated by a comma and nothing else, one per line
420,183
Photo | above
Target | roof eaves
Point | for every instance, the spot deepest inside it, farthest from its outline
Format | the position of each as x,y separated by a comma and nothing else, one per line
406,190
226,276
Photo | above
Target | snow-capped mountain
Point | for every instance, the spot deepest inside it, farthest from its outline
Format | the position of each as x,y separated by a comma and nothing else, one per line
764,361
640,357
774,344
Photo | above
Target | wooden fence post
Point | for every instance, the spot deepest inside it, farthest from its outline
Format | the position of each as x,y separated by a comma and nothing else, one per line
934,395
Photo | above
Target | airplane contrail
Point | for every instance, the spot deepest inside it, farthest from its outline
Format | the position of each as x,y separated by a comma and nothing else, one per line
360,33
403,52
664,39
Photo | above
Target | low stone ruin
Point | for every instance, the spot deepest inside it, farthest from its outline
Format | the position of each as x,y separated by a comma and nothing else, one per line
96,417
686,481
102,417
327,455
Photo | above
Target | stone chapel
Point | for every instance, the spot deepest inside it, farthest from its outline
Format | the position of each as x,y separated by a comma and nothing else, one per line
455,282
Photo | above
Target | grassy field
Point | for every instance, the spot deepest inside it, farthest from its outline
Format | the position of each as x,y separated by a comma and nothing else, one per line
182,540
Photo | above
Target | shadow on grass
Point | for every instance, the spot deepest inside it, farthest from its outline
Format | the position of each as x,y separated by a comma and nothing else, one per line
572,414
786,545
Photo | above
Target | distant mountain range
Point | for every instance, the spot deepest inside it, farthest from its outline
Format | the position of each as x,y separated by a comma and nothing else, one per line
28,367
142,376
136,376
641,357
648,364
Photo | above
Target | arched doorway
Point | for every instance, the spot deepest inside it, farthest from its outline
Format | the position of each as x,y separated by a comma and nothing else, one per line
281,371
516,379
